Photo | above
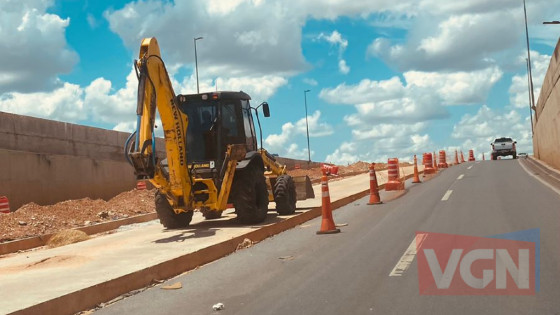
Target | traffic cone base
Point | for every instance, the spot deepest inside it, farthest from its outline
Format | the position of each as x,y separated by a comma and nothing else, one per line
329,231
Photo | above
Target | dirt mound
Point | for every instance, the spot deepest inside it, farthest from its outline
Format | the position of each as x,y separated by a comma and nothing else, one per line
66,237
32,219
343,170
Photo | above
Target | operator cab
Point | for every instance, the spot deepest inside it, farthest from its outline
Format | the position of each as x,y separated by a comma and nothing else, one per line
216,119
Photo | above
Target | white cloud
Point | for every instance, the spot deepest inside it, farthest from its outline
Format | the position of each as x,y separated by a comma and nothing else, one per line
457,88
336,39
477,131
464,35
402,145
519,89
310,81
64,103
343,67
33,49
283,143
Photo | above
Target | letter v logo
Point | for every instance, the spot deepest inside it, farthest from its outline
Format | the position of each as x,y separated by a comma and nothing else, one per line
443,279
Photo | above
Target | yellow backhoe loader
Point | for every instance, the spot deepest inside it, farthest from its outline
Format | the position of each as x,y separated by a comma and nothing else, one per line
212,157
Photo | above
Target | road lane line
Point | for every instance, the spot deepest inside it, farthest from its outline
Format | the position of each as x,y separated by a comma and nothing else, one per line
469,167
447,194
461,176
406,259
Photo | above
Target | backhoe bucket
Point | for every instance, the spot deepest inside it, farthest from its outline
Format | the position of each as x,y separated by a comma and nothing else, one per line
304,190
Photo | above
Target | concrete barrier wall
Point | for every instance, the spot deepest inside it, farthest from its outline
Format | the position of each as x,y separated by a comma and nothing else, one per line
546,140
46,161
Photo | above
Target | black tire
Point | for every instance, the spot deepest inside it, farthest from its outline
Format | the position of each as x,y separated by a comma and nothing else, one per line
250,195
167,217
515,156
285,195
209,214
494,157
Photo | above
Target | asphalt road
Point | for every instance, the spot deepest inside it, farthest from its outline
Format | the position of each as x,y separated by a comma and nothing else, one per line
298,272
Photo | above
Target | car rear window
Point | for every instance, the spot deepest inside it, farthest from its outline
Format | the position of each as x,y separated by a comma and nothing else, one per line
503,140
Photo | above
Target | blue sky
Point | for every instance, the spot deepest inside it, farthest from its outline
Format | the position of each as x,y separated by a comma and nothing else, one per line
387,78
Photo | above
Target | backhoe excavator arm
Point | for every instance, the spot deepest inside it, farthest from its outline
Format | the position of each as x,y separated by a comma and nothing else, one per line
155,92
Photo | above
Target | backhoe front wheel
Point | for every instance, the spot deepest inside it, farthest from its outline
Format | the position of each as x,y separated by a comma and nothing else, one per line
285,195
250,195
167,217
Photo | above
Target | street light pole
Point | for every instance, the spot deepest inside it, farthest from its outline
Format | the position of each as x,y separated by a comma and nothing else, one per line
529,61
530,103
307,126
196,63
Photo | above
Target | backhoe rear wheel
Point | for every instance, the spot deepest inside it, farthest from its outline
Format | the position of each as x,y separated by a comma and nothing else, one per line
285,195
250,195
167,217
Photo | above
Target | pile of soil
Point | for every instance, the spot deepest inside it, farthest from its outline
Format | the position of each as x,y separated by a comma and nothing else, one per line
343,170
32,219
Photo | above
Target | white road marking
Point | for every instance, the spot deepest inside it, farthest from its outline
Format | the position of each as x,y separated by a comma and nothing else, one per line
447,194
461,176
469,167
406,259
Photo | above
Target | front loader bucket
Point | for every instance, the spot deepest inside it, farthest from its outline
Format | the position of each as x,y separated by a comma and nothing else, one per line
304,190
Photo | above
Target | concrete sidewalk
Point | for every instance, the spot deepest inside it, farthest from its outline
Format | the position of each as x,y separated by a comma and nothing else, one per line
42,275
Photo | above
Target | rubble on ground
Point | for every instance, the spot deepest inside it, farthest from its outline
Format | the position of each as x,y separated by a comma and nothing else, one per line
32,219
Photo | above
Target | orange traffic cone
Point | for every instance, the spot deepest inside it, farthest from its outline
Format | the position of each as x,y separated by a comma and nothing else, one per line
483,157
462,157
456,158
4,204
374,198
327,224
416,177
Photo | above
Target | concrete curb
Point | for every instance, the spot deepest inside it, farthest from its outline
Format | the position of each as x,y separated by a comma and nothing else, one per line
106,291
41,240
544,165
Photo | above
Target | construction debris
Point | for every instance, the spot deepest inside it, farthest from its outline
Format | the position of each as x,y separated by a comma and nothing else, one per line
174,286
245,244
34,220
218,307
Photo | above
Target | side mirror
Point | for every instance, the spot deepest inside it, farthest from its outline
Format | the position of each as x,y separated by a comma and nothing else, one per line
266,109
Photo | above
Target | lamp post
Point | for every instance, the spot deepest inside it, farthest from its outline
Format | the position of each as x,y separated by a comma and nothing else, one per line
196,63
532,94
530,104
307,126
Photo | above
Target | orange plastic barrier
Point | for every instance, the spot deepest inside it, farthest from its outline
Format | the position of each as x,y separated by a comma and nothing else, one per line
394,181
442,159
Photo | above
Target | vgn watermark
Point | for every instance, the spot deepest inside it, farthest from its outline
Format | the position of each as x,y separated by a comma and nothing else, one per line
506,264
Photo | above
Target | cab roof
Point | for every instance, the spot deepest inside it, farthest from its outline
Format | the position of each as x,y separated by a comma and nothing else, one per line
231,95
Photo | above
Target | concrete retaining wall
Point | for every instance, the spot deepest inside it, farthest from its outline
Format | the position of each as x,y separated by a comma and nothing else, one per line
546,140
46,161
